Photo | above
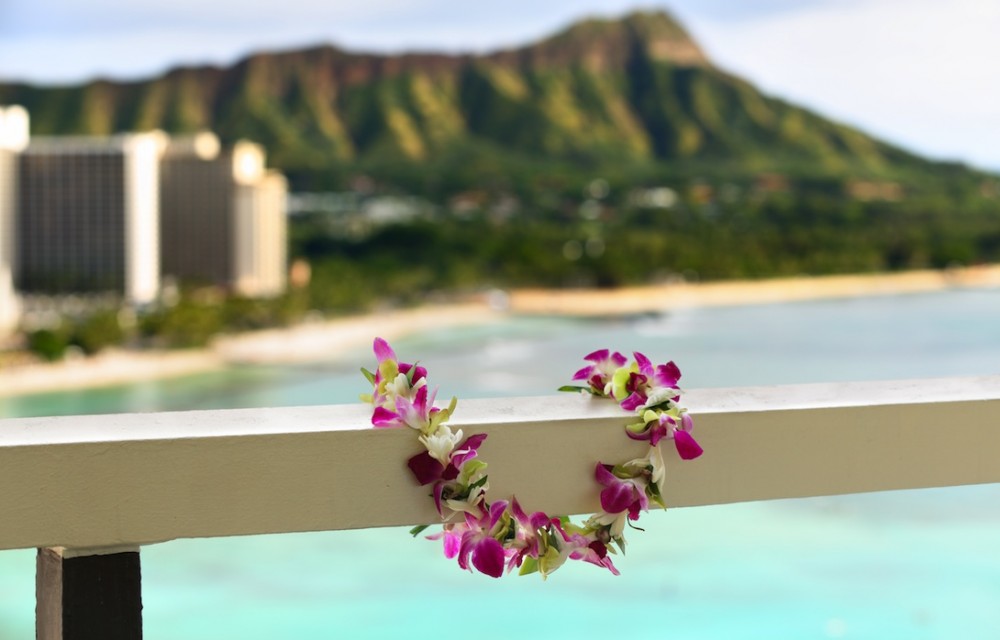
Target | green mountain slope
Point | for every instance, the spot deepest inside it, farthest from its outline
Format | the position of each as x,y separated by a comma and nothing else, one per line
635,92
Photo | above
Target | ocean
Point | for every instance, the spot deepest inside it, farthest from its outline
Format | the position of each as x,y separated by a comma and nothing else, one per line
909,564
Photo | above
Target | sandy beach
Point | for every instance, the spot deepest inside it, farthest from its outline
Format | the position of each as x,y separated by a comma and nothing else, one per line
651,299
312,341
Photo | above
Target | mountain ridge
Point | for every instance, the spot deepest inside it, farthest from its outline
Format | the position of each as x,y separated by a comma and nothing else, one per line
637,90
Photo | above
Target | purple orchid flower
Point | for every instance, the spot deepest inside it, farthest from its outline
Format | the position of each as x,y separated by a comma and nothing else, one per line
659,425
595,553
687,447
620,494
588,549
476,545
526,537
410,413
384,352
598,375
664,375
653,429
451,535
427,470
635,390
645,384
389,367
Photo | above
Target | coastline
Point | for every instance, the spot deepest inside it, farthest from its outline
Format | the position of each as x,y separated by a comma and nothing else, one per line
310,341
302,343
659,298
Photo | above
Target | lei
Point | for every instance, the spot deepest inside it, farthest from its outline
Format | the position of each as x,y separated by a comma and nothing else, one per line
494,537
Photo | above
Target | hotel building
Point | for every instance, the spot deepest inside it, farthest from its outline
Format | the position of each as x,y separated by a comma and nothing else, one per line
13,139
88,216
116,214
224,217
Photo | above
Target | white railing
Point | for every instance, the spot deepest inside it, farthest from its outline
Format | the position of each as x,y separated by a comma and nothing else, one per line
107,484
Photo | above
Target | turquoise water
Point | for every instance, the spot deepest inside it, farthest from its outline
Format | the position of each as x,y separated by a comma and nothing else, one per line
914,564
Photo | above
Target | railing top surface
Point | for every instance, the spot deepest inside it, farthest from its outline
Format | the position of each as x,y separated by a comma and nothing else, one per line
483,411
107,481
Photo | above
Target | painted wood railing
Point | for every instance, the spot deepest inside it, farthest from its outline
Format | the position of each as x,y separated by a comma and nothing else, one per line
88,491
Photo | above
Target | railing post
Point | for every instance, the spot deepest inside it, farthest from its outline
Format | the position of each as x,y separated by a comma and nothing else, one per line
88,593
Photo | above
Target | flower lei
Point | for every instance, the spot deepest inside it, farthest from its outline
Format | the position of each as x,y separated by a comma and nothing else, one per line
498,536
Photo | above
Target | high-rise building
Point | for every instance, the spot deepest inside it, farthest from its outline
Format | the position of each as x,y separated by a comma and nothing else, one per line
89,217
13,139
223,220
99,214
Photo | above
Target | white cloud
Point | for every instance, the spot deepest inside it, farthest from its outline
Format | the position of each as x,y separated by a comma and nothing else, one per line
919,72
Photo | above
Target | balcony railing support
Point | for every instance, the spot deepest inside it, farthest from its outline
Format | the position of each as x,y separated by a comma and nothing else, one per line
88,594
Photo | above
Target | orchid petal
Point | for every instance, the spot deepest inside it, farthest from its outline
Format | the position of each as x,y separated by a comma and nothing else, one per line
488,557
599,548
467,450
383,351
645,365
438,494
452,543
687,447
687,423
535,521
464,550
619,383
597,356
617,497
472,442
539,520
517,511
602,473
425,468
633,402
450,472
420,401
656,433
382,417
496,511
638,435
583,373
668,374
611,567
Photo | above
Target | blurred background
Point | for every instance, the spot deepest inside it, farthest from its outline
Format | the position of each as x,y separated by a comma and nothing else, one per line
219,205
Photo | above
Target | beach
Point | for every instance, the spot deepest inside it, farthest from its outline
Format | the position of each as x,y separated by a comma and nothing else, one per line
653,299
317,340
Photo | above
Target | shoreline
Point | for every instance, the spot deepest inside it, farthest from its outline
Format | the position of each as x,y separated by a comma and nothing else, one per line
667,297
309,342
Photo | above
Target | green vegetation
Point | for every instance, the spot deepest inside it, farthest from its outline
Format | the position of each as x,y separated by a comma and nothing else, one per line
197,317
100,330
90,334
48,344
702,176
200,315
735,233
710,231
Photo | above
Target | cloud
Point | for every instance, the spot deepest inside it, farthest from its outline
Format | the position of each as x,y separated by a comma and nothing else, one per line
919,72
44,18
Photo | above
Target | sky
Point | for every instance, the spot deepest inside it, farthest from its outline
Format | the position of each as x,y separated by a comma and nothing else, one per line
919,73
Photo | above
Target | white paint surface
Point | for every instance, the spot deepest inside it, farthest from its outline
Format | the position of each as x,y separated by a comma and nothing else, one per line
107,481
142,216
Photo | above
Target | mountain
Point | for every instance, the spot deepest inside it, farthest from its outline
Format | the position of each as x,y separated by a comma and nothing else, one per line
633,92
